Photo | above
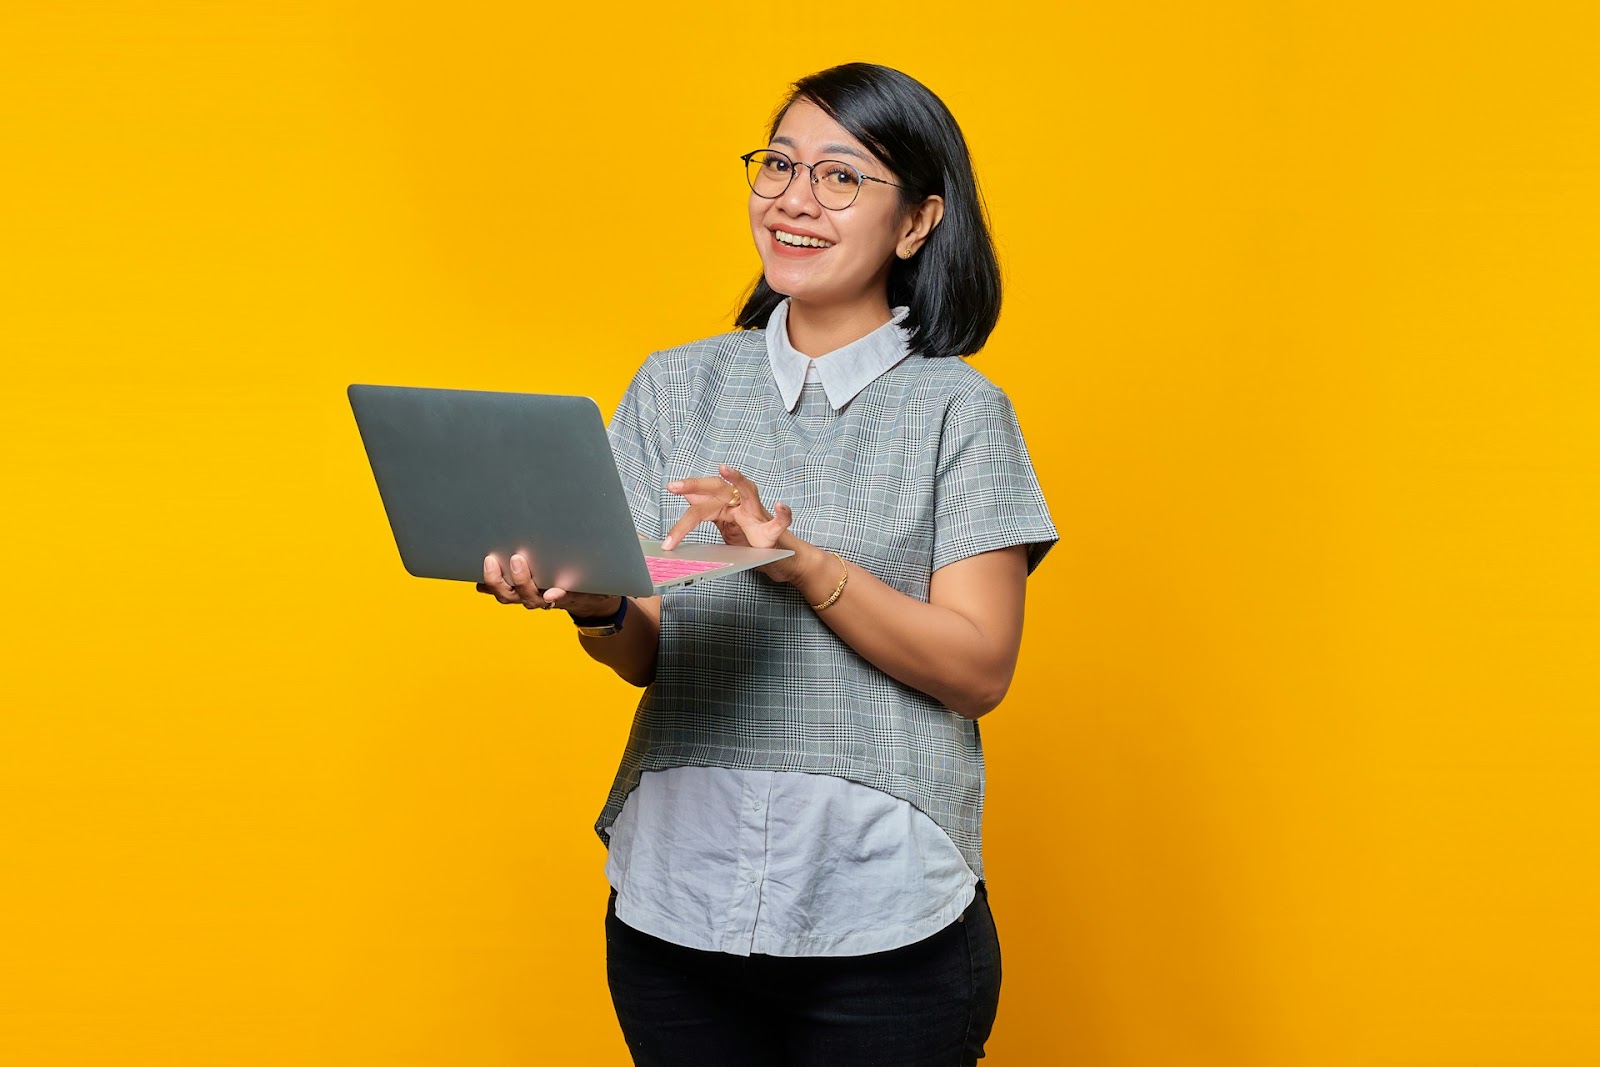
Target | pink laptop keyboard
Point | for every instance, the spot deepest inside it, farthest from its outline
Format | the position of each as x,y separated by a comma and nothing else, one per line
663,569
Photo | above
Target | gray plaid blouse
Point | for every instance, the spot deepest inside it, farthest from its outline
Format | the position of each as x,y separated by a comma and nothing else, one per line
924,467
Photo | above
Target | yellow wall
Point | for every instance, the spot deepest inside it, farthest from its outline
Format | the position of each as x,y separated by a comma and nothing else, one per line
1302,324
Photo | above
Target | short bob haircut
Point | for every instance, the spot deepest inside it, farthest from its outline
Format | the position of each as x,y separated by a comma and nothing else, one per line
952,284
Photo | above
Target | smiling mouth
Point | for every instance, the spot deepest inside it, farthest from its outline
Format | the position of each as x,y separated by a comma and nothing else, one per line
796,240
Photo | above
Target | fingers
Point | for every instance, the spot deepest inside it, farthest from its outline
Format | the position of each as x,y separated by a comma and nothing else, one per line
566,600
495,583
516,588
727,492
730,500
584,605
768,531
696,514
522,585
700,487
733,477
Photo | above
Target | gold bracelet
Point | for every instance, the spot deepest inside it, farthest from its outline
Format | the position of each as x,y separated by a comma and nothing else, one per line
838,589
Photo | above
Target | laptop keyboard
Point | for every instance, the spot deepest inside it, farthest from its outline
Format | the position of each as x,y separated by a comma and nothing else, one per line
663,569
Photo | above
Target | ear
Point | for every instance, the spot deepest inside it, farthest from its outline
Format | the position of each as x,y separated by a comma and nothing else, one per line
920,222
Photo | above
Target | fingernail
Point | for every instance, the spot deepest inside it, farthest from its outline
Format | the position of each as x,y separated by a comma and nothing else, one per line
673,487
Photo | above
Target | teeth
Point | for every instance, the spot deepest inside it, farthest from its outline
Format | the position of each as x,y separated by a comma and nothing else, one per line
799,241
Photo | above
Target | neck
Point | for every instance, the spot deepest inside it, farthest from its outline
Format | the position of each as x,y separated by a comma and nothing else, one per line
817,330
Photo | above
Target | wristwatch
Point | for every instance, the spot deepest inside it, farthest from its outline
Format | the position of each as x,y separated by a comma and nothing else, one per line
604,625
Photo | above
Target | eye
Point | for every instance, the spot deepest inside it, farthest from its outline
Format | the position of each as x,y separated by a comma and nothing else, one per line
774,164
840,175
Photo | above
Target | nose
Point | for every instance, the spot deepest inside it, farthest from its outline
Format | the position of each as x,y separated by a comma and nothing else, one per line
800,198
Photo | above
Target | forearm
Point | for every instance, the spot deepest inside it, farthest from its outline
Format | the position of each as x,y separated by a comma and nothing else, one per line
631,651
965,662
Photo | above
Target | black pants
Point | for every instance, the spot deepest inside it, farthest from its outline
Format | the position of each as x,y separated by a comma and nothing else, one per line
930,1004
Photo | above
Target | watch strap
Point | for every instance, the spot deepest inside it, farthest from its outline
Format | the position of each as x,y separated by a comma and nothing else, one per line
602,625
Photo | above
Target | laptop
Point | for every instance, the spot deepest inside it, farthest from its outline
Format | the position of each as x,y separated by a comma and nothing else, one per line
466,474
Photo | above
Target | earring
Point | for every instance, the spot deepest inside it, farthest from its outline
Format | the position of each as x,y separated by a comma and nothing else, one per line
905,253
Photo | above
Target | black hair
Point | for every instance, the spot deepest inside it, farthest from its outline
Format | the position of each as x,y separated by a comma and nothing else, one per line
952,284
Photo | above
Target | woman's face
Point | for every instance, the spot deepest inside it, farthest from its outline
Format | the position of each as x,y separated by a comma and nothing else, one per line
860,241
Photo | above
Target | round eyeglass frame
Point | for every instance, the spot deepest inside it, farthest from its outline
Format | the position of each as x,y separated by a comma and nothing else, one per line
795,164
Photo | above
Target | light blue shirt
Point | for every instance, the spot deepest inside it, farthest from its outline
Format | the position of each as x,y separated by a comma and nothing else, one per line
779,862
778,793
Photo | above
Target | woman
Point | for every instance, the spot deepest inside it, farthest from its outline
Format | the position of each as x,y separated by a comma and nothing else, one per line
794,832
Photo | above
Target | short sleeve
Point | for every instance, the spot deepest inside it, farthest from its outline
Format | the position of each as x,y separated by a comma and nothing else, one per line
986,495
640,441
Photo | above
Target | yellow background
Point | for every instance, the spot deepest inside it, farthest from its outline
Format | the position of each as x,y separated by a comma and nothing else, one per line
1300,765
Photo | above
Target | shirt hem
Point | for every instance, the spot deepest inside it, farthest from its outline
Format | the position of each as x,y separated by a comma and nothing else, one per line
856,944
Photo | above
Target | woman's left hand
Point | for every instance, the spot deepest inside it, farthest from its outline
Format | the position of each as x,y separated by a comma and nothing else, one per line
733,503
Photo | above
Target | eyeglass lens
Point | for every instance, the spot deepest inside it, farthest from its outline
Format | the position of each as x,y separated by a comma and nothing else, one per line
834,183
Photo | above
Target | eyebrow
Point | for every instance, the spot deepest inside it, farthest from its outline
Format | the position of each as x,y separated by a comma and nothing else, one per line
840,149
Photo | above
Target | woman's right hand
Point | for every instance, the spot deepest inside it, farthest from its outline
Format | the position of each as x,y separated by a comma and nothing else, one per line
518,588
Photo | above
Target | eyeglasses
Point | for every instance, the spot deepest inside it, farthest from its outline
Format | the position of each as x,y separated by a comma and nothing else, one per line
835,184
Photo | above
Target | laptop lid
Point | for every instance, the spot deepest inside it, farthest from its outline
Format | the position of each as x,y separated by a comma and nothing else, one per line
464,474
